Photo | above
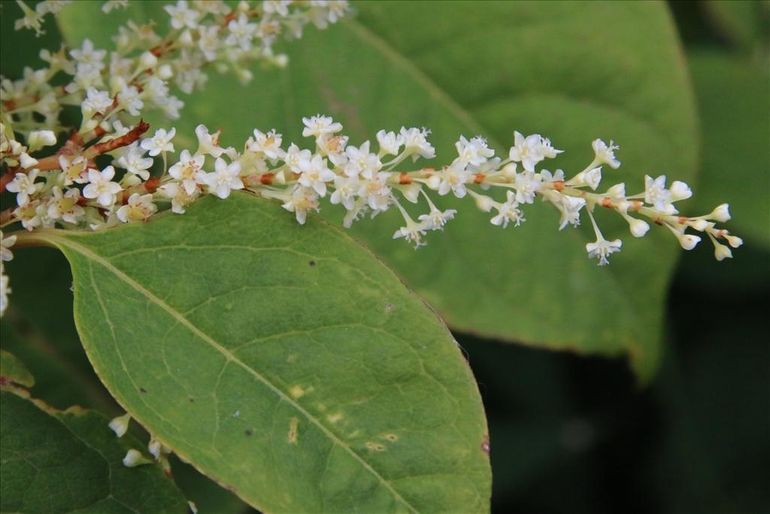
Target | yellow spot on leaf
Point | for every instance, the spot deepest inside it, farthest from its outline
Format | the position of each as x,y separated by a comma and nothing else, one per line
334,418
293,425
375,447
390,437
296,391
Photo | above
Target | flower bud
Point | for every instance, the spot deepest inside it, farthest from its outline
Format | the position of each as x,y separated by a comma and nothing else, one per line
638,227
733,241
688,241
721,213
40,138
680,191
133,458
148,60
27,161
165,72
119,425
721,252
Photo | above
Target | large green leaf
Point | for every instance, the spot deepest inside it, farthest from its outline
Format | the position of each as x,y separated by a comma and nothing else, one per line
56,462
573,71
734,102
283,361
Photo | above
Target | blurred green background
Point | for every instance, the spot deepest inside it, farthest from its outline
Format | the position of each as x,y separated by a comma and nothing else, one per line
572,433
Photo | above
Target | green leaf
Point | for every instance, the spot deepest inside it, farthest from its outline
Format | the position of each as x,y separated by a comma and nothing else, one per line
72,462
743,23
572,71
282,360
13,370
734,102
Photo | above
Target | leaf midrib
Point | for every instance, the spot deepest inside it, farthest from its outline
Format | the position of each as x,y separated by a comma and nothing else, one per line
228,355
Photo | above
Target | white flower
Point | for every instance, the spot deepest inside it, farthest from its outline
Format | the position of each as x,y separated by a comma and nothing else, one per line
180,198
138,208
209,41
605,154
360,161
109,5
390,143
208,144
133,458
436,219
345,189
320,126
26,161
88,55
526,184
135,162
570,210
474,152
279,7
160,142
302,200
656,194
314,174
40,138
187,170
129,99
508,212
375,191
590,178
224,179
64,206
452,178
119,425
527,150
96,102
295,156
5,247
412,233
182,16
680,191
241,32
24,186
269,144
601,249
416,143
548,150
720,213
101,187
73,169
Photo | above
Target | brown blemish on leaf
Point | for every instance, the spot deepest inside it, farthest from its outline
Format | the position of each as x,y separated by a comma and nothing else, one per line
375,447
390,437
248,432
311,263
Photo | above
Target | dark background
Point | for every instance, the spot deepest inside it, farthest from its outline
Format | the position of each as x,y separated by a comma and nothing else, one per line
568,433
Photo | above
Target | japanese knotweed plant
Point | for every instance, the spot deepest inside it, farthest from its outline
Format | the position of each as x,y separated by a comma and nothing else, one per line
265,347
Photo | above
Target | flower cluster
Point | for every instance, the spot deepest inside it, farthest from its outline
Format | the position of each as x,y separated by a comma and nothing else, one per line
117,86
109,172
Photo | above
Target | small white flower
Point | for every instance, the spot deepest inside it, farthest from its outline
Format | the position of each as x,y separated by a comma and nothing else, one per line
601,249
87,54
295,156
241,32
5,247
160,142
64,206
134,458
24,186
345,189
101,187
474,152
570,210
680,191
720,213
360,161
416,143
187,170
224,179
120,424
412,233
182,16
656,194
527,150
315,174
508,212
134,161
138,208
269,144
302,200
452,178
436,219
605,154
208,144
26,161
390,143
129,99
375,191
96,102
590,178
526,184
319,126
40,138
180,198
